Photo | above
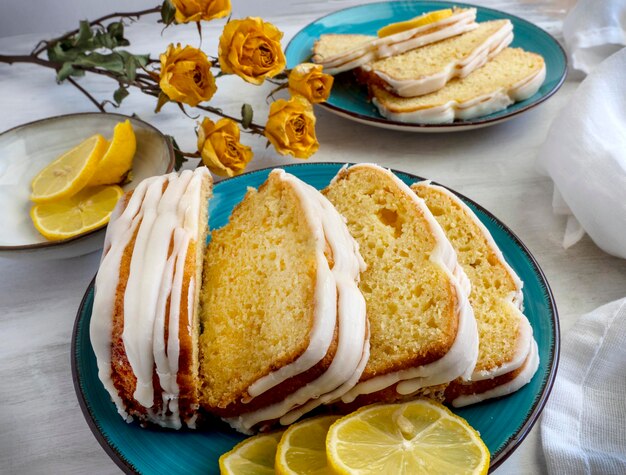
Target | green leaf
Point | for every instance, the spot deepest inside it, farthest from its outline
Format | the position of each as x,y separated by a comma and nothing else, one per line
130,66
116,31
66,71
168,11
142,59
84,34
246,115
113,62
59,54
119,94
179,157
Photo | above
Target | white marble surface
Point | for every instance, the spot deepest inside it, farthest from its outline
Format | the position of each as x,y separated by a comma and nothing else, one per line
42,429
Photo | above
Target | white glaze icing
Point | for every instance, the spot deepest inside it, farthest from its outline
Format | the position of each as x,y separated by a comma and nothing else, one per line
460,360
477,107
515,300
412,87
144,282
352,342
378,48
523,378
119,233
324,318
160,218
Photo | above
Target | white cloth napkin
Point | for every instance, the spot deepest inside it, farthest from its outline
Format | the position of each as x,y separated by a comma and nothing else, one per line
594,30
585,154
583,427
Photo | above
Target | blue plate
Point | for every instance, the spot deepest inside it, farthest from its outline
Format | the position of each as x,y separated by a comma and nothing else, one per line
350,100
502,423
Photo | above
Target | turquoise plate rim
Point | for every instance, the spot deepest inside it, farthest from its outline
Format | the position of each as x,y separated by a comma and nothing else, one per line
477,122
507,447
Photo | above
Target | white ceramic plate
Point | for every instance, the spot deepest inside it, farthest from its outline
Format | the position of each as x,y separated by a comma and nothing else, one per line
26,149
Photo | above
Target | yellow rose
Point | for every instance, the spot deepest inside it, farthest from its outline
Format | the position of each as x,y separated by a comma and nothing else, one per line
290,127
196,10
308,80
250,48
186,75
220,148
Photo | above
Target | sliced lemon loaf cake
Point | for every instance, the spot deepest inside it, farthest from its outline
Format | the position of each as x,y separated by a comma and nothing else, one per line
511,76
338,53
422,329
282,319
428,69
508,356
146,293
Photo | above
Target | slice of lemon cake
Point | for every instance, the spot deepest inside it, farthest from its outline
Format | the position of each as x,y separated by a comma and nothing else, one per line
338,53
282,319
428,69
511,76
508,356
422,329
146,293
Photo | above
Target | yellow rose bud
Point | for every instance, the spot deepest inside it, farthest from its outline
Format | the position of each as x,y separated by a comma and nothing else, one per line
186,75
308,80
250,48
290,127
220,148
197,10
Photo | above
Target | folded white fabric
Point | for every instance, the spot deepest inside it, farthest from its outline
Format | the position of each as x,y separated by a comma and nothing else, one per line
594,30
583,427
585,154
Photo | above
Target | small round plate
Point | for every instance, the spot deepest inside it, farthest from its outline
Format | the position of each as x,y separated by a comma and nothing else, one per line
502,423
28,148
350,99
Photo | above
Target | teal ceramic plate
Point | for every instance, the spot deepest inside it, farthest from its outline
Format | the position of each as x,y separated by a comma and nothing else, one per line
502,423
349,99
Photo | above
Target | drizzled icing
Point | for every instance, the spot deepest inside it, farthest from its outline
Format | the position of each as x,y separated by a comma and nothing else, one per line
352,343
523,378
477,107
412,87
378,48
165,222
460,360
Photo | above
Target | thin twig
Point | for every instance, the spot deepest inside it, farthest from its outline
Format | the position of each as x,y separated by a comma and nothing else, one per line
89,96
69,34
24,58
252,128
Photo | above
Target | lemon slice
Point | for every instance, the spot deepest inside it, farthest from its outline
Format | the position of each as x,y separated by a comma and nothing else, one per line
253,456
302,448
418,21
89,209
69,173
420,436
118,159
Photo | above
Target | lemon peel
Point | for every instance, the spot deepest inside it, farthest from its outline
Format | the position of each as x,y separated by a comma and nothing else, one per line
302,448
69,173
88,209
422,436
253,456
118,159
424,19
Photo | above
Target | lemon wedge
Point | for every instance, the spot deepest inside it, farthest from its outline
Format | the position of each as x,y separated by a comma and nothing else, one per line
69,173
302,449
253,456
118,159
420,436
425,19
88,209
